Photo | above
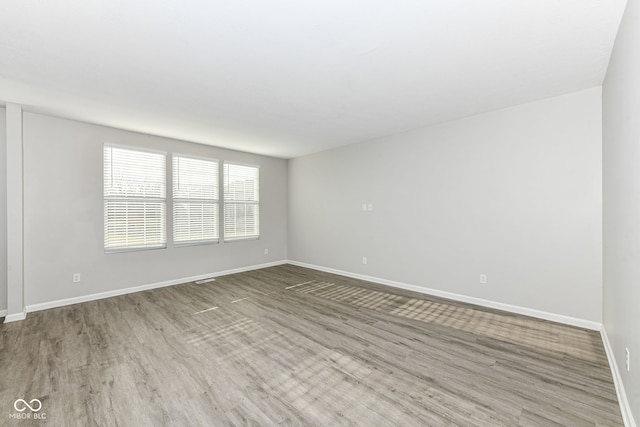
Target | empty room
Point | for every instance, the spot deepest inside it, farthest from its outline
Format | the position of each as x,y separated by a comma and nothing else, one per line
364,213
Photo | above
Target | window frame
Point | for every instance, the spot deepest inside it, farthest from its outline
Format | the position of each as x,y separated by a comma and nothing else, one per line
216,202
227,202
161,200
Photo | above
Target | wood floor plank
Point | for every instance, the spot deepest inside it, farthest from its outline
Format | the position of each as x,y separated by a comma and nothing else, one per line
292,346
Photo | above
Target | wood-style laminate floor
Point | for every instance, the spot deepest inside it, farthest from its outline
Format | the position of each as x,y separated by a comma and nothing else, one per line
293,346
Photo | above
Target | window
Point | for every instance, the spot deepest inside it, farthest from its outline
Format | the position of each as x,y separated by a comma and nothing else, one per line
241,201
195,200
134,199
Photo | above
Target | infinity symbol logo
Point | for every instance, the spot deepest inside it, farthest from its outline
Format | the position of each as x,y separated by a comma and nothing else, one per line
35,408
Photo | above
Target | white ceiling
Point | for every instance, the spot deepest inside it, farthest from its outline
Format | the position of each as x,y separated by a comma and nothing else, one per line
285,77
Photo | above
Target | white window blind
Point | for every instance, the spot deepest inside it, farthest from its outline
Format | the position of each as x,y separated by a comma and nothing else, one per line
134,199
241,201
195,200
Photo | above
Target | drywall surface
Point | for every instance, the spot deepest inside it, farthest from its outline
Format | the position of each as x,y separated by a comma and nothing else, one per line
64,214
621,183
3,209
514,194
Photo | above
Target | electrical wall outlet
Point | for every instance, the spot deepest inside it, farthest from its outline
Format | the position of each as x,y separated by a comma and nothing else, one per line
76,278
266,251
627,358
483,279
364,259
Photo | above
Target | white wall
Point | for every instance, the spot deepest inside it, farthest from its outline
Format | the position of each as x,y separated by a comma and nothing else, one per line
3,210
63,219
621,181
514,194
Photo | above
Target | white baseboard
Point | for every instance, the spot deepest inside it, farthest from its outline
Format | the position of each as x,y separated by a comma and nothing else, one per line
428,291
14,317
625,408
567,320
117,292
